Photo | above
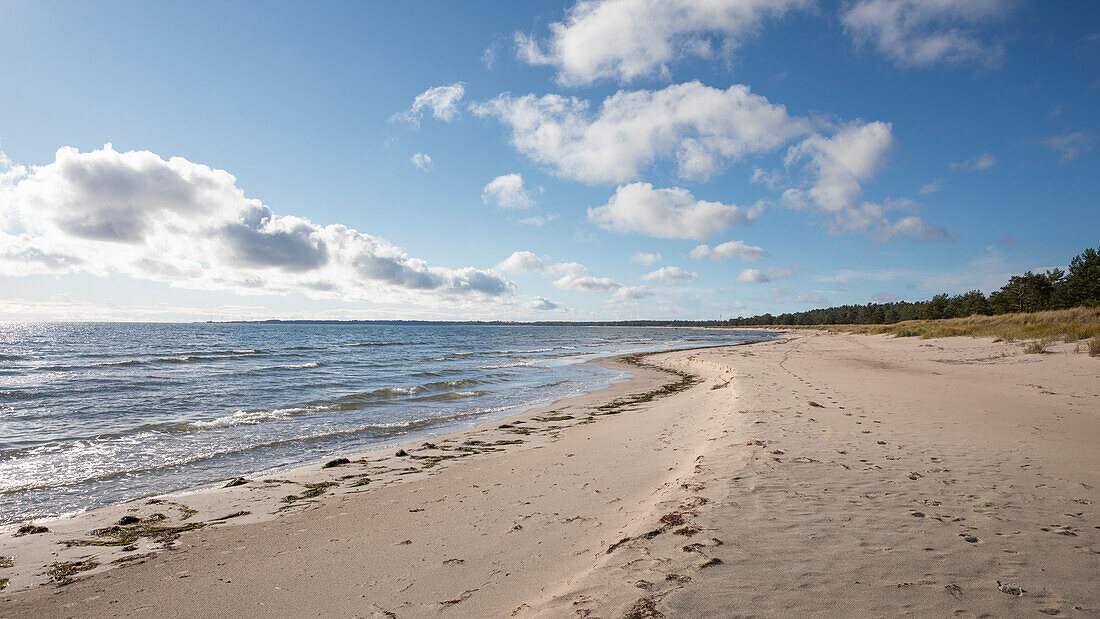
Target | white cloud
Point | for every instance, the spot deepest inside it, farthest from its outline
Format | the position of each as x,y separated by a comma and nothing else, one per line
629,39
1071,145
980,163
729,249
630,293
507,191
575,276
916,228
843,161
537,221
422,161
844,276
924,33
703,129
9,172
441,100
521,262
188,225
838,166
670,275
489,55
810,298
771,179
665,213
586,283
646,258
700,127
757,276
542,304
932,187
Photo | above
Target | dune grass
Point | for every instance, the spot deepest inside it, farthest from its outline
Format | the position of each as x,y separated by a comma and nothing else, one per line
1070,325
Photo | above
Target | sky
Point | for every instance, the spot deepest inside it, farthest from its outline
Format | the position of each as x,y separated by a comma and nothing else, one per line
591,160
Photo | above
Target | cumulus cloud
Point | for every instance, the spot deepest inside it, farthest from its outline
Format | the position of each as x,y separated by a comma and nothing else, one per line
757,276
646,258
923,33
628,39
699,127
188,225
674,213
702,129
10,172
979,163
1071,145
838,166
441,100
916,228
729,249
507,191
575,276
422,161
670,275
521,262
542,304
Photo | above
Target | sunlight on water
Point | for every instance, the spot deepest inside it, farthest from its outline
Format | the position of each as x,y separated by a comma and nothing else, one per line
95,413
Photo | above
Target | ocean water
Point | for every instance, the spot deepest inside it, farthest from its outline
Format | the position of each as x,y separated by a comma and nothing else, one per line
96,413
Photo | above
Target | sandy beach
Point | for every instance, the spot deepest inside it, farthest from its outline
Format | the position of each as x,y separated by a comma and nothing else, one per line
823,474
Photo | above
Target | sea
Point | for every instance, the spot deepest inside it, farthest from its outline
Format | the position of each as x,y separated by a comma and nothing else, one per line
93,414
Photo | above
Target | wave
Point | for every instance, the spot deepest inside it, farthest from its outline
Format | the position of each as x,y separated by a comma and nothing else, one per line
450,395
380,430
371,344
500,366
206,357
182,358
350,401
13,358
291,366
119,363
240,418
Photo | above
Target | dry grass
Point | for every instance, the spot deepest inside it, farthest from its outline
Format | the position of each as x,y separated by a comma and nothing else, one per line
1069,325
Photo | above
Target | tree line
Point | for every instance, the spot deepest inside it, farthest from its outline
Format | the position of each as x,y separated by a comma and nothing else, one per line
1030,292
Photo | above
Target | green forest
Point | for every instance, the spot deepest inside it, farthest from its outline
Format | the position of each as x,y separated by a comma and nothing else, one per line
1030,292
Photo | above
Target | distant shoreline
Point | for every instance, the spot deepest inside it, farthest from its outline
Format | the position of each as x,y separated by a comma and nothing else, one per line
708,324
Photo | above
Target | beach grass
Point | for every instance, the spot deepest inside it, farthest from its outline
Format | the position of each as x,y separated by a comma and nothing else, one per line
1069,325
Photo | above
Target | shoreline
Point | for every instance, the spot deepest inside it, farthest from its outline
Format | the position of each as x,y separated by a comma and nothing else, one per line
823,473
210,500
79,489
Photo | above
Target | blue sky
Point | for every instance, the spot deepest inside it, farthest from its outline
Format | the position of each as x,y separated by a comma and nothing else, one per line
822,152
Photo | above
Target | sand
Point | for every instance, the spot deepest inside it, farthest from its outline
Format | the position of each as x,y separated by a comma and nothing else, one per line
825,474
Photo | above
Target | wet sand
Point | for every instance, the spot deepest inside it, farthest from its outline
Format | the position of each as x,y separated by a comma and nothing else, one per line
826,474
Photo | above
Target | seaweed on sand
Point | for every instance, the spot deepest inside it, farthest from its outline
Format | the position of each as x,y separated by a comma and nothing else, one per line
64,573
127,535
313,490
627,403
29,529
